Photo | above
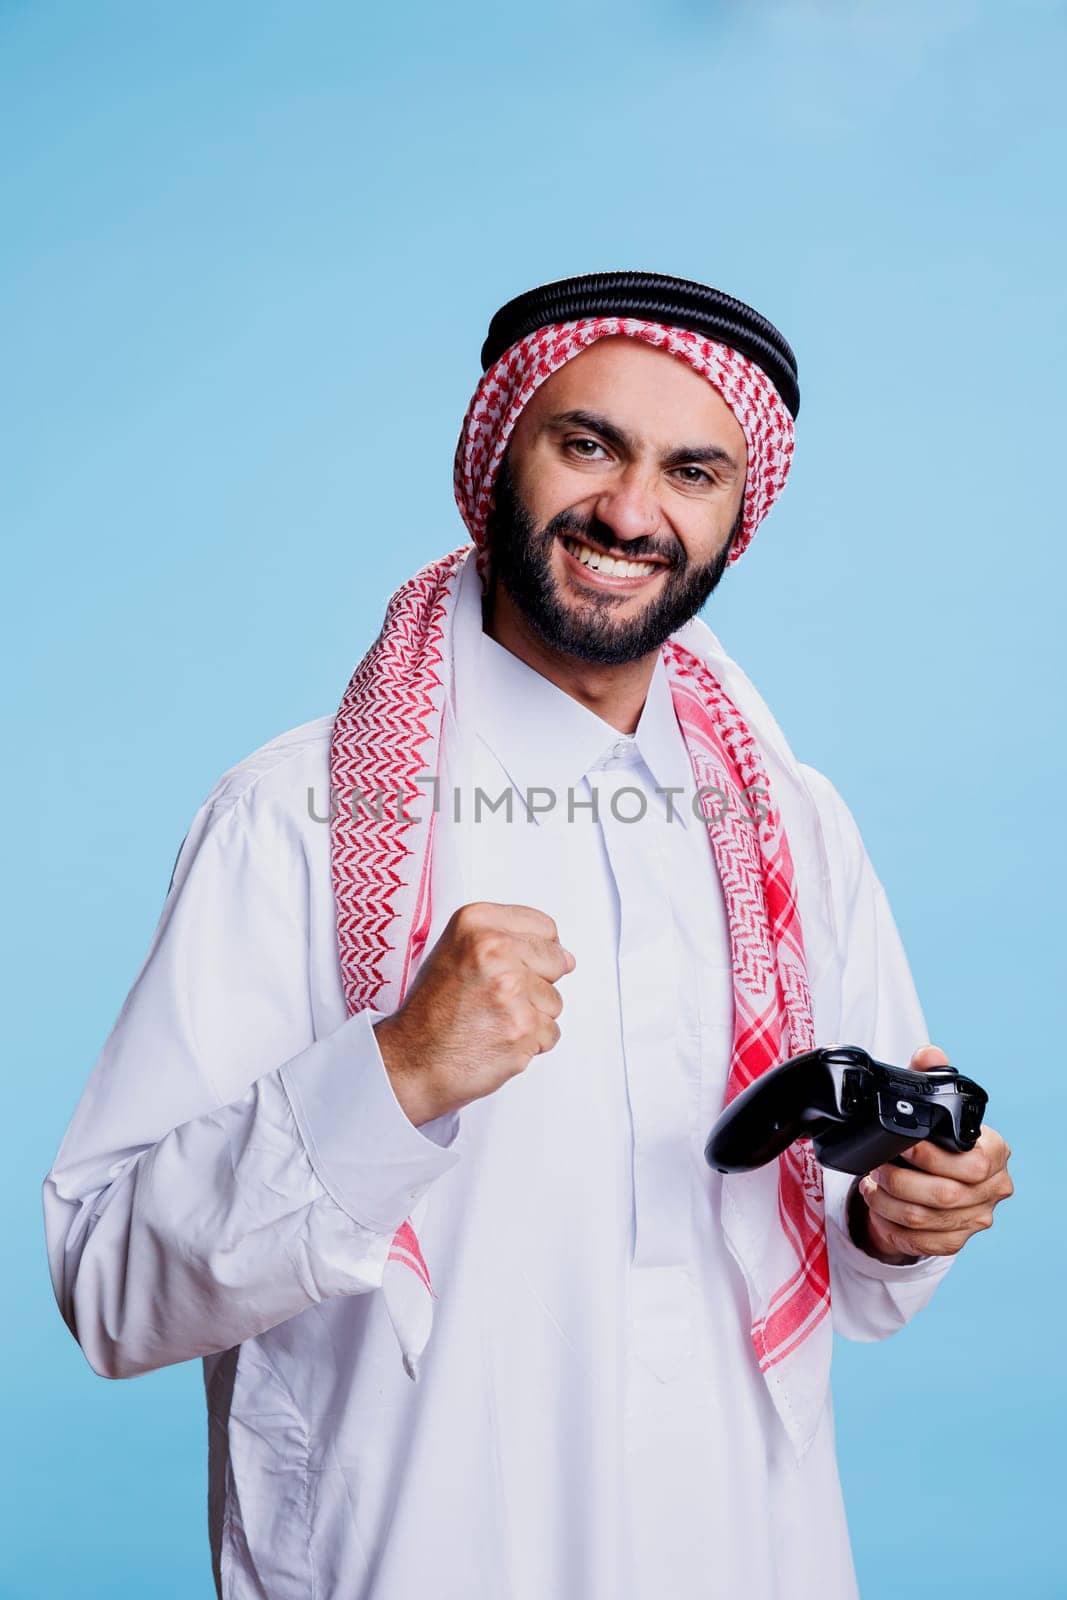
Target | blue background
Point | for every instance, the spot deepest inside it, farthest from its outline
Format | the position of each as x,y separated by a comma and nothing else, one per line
249,254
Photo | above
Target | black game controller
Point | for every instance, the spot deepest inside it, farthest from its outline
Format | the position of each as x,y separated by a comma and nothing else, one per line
856,1111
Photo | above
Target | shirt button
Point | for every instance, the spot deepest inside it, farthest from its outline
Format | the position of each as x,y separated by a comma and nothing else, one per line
622,747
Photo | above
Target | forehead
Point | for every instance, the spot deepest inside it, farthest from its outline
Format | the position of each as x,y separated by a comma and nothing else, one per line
650,393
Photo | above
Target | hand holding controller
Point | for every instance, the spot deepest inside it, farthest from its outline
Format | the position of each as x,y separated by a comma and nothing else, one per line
858,1112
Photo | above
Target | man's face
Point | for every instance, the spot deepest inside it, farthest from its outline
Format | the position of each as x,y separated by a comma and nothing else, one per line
617,501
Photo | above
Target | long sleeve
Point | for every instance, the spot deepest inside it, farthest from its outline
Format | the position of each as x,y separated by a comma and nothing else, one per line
225,1169
880,1010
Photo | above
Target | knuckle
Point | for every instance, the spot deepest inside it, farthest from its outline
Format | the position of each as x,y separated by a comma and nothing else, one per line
913,1216
1006,1186
516,1027
486,950
505,987
945,1194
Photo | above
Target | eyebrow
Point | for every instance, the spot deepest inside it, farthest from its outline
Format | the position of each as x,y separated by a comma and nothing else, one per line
711,455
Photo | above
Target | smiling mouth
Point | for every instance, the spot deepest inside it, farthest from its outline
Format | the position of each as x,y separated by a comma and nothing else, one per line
607,566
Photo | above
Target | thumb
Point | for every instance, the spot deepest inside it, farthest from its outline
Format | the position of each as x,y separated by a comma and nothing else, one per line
928,1056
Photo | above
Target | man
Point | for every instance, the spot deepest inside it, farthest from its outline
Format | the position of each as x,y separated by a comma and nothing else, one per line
401,1126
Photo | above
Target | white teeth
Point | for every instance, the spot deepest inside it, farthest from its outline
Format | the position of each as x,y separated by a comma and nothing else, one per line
611,566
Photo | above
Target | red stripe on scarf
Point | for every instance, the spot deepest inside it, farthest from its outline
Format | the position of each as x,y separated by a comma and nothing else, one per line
772,1006
405,1247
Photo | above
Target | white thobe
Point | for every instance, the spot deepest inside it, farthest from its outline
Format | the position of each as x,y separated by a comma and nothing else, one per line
589,1421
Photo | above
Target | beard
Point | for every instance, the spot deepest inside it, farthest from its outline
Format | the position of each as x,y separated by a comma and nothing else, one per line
520,557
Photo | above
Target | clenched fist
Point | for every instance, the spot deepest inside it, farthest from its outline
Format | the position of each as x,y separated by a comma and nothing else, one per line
483,1004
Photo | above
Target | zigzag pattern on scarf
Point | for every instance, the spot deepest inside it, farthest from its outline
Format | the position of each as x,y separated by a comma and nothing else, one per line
772,1001
390,712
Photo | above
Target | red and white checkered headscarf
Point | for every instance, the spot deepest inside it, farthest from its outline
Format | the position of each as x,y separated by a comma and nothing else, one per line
387,734
511,382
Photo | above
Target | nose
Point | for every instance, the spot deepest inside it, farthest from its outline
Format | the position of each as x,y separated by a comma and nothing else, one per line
630,507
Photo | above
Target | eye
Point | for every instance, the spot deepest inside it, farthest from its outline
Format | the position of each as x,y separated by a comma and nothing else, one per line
578,446
700,476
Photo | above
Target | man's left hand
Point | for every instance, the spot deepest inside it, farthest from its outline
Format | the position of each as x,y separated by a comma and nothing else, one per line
933,1209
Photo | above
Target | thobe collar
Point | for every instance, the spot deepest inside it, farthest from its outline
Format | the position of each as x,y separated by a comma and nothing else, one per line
546,740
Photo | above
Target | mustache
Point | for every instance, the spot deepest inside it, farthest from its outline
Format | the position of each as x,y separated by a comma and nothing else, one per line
598,534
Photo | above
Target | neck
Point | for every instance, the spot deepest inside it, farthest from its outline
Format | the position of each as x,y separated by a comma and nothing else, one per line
615,693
